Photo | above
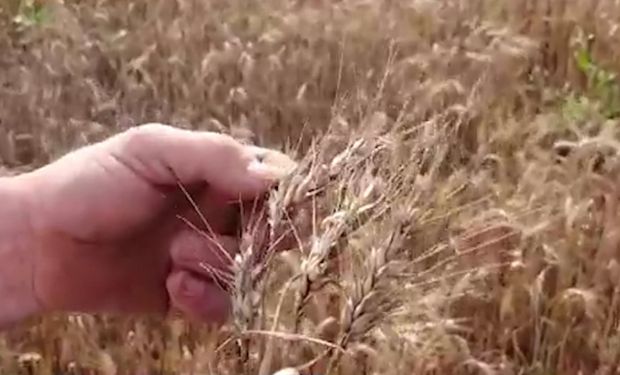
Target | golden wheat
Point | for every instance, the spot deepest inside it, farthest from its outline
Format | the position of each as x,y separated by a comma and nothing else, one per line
453,209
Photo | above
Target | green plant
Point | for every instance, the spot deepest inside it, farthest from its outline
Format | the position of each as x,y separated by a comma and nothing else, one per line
32,13
603,85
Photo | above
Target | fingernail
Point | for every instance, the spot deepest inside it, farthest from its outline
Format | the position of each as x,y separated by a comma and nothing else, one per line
266,171
193,288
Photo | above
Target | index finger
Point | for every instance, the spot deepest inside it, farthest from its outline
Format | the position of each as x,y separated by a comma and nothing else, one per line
165,155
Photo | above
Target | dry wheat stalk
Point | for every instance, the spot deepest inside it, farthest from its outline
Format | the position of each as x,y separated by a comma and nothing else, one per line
371,300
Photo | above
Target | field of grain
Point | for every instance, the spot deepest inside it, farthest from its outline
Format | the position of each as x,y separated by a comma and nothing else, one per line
455,207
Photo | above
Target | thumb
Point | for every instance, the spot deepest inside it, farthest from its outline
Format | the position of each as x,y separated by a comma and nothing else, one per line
164,155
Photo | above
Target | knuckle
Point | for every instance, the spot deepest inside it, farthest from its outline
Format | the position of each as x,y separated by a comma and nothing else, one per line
145,133
227,146
225,141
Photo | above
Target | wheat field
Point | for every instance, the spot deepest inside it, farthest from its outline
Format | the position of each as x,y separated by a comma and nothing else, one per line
455,208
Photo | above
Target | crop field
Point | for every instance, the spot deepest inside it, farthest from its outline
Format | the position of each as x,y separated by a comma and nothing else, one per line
456,204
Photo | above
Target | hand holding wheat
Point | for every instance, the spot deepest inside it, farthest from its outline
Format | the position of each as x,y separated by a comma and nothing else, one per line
139,223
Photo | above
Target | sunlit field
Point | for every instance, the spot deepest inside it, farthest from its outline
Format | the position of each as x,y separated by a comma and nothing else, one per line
455,208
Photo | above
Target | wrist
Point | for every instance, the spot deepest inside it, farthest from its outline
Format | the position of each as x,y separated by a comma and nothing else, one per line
17,296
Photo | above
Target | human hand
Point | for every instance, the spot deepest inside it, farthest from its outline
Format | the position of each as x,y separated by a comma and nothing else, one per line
105,229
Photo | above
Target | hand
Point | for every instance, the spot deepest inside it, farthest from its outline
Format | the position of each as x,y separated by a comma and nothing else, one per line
106,233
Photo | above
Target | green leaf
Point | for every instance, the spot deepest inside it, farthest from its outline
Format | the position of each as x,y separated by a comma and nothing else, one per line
584,60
